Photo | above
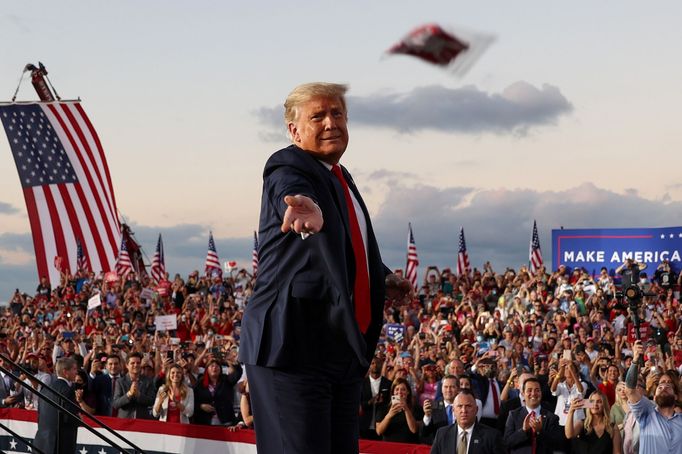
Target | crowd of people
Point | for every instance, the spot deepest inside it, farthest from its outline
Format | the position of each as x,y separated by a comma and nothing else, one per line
542,359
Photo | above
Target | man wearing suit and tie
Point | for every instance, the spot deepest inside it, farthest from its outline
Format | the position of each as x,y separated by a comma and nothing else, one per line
487,388
311,326
134,393
532,429
440,413
467,436
374,399
57,431
103,387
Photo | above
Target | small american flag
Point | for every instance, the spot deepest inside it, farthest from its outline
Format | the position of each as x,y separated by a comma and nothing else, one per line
66,184
412,260
159,262
535,254
463,266
254,255
81,259
212,263
123,266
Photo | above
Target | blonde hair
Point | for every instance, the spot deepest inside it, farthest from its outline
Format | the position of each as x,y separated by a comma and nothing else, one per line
305,92
620,401
168,383
605,415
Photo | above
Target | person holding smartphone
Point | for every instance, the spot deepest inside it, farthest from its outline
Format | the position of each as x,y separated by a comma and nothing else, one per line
399,423
596,434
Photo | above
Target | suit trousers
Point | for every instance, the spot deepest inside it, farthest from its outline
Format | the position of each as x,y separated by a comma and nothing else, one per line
307,409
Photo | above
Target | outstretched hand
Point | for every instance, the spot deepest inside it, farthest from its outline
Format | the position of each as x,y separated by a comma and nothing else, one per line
302,215
398,290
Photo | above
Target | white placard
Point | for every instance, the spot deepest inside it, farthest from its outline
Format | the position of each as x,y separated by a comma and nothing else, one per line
166,322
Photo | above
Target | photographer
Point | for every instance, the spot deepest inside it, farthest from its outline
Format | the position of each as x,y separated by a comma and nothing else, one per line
566,386
660,426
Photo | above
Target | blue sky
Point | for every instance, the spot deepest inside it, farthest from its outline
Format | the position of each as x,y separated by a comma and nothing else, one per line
570,117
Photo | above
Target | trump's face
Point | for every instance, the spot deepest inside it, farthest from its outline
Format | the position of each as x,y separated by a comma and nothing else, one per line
320,128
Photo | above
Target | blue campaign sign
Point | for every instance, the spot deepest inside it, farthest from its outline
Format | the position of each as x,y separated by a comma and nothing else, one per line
395,331
594,248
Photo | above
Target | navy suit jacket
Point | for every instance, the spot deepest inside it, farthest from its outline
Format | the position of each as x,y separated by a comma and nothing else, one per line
57,431
484,440
301,311
104,394
439,418
519,441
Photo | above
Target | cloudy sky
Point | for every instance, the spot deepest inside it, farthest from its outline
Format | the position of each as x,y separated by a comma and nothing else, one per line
570,117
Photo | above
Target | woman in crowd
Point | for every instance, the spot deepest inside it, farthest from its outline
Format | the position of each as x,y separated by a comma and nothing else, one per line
398,424
84,398
427,387
596,434
214,395
621,407
174,400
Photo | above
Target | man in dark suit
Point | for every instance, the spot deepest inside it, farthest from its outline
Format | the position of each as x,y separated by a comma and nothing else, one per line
374,399
134,393
311,326
487,388
440,413
103,387
57,431
531,429
513,403
467,436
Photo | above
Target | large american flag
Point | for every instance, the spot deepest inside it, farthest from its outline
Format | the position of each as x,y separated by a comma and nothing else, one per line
212,264
254,255
124,266
412,260
463,266
66,183
534,253
158,269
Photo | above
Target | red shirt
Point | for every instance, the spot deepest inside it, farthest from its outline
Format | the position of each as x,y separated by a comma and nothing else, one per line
173,414
609,391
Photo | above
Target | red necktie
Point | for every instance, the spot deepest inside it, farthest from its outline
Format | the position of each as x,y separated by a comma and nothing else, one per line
363,314
533,440
496,399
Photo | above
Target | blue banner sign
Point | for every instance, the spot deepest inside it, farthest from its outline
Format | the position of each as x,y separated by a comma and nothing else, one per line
595,248
395,331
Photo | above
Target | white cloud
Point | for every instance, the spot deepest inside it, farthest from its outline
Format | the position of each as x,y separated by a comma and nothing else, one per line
466,110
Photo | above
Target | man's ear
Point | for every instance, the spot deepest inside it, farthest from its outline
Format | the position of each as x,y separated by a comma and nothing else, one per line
293,133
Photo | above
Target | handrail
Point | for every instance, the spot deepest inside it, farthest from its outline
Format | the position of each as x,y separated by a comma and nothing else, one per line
136,449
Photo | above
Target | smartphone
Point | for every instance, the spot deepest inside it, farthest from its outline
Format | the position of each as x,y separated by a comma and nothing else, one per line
588,403
519,369
67,334
170,355
395,400
174,340
567,355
